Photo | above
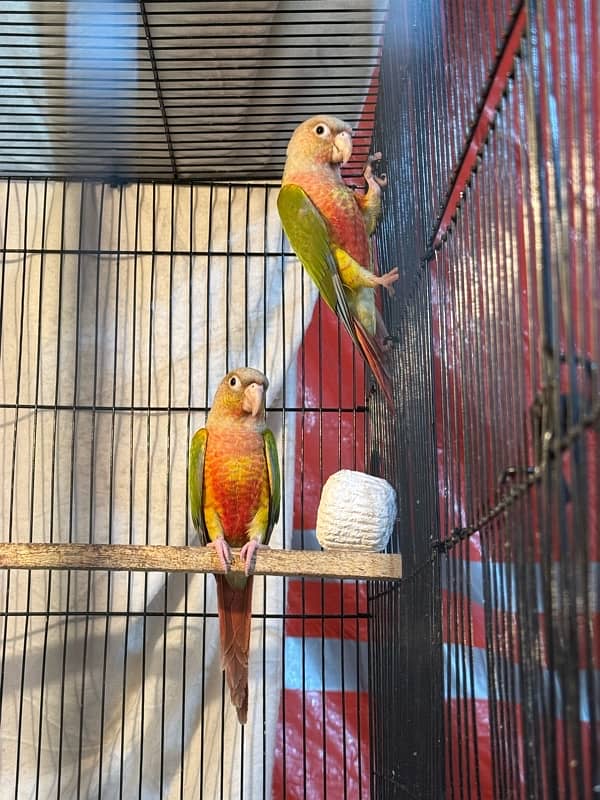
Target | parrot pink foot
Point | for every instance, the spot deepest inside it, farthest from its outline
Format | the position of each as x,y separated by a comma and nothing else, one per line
247,553
387,280
369,175
223,552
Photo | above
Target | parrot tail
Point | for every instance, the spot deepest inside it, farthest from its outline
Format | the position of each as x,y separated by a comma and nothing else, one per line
235,616
375,358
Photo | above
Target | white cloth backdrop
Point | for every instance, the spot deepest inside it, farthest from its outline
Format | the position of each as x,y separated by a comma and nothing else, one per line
93,704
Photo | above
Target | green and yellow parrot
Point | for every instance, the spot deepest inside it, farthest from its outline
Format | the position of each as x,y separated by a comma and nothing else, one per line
329,225
234,491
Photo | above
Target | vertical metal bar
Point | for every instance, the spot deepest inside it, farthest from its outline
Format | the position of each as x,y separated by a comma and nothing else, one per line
27,270
130,481
469,415
284,595
165,637
77,295
188,429
111,491
530,649
4,247
8,573
514,366
373,685
503,554
266,257
573,311
304,403
246,321
321,582
480,477
246,279
300,394
537,82
228,319
149,374
550,357
264,365
211,202
91,492
496,678
52,477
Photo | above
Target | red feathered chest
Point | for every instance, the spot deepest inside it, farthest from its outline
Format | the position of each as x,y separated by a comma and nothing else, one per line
235,479
338,205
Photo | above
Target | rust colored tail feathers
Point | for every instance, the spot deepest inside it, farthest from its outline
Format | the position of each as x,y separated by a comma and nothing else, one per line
235,617
376,360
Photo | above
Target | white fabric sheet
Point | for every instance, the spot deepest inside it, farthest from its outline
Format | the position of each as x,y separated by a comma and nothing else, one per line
97,705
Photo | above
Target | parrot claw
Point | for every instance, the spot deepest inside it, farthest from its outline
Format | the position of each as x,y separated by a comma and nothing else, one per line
388,279
247,554
369,175
223,552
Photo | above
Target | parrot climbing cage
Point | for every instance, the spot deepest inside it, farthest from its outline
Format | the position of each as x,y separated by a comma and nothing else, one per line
142,257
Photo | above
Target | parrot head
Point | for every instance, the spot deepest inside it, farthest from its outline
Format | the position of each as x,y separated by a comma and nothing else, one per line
318,141
240,396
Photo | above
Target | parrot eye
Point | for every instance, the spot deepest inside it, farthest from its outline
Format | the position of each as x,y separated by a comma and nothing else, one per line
234,381
321,129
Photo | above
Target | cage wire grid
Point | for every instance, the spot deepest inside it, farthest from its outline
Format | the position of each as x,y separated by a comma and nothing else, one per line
168,92
178,90
126,667
499,375
483,663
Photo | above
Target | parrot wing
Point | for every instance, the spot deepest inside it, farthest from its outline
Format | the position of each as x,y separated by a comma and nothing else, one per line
274,481
309,236
196,482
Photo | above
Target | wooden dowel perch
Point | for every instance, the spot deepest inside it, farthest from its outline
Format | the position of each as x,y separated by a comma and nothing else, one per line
161,558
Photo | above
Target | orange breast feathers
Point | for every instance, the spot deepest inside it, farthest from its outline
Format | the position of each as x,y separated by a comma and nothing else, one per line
339,207
235,481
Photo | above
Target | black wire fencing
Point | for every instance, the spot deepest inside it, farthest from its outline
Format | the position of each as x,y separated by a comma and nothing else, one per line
489,123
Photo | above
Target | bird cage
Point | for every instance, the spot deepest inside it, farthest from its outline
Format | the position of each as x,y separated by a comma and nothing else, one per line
143,257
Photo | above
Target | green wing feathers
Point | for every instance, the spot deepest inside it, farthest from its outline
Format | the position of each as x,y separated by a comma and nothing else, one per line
309,236
272,460
196,482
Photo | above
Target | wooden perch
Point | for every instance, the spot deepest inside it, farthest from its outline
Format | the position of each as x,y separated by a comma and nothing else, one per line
351,564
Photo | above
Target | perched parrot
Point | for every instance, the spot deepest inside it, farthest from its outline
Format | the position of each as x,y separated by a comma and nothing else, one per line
234,501
329,225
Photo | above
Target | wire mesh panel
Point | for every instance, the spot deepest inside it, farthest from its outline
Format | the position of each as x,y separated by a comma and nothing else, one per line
511,370
405,645
323,739
122,308
166,90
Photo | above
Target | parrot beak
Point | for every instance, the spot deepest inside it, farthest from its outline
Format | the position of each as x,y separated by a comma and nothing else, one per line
342,147
253,400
